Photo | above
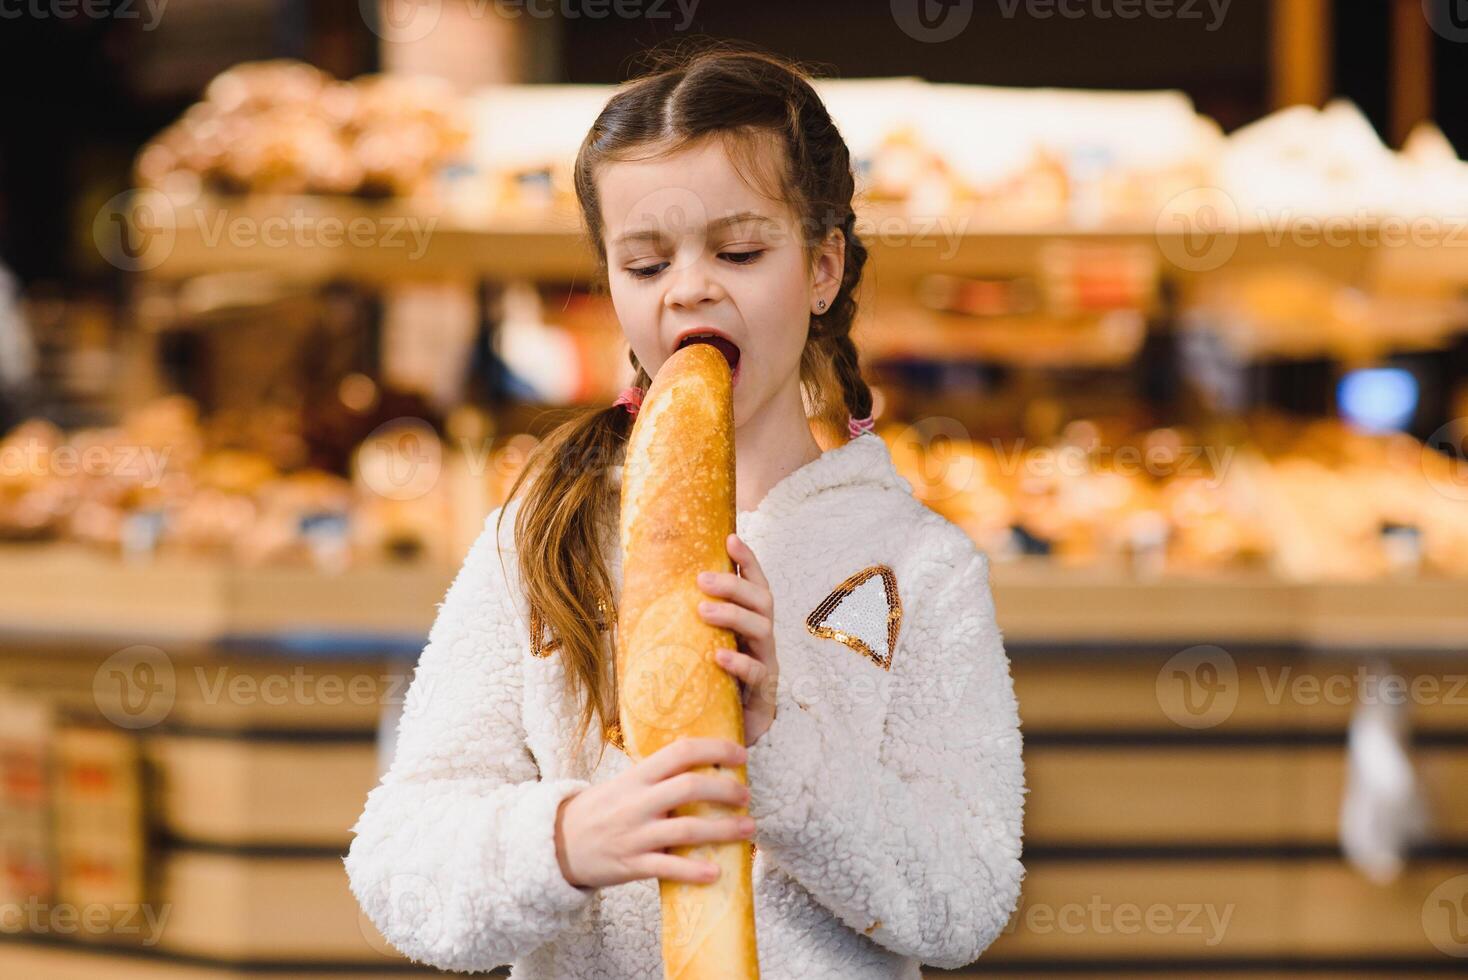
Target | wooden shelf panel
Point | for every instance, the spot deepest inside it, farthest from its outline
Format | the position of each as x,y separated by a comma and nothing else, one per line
21,957
243,908
1041,601
1221,909
1200,796
222,692
66,590
315,238
1258,692
70,590
252,793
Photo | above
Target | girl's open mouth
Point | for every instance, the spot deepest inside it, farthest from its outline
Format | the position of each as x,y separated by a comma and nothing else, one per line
725,346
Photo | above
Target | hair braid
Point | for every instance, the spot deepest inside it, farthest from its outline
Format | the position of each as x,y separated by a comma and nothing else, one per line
750,100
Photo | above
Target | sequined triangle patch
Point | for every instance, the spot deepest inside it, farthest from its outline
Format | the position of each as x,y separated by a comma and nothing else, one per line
864,612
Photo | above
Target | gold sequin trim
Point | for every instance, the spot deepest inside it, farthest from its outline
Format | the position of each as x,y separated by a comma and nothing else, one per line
543,645
613,734
814,622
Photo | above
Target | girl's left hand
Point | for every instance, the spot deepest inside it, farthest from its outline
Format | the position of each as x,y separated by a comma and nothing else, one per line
750,614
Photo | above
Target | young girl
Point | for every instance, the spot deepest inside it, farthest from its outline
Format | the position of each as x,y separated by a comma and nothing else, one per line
886,787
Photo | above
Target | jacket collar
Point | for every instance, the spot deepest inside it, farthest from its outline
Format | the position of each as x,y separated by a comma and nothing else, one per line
862,462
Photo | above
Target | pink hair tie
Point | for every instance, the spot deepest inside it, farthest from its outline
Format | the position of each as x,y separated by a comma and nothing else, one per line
856,426
631,396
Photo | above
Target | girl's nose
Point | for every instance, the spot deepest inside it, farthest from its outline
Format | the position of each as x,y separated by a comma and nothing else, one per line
690,283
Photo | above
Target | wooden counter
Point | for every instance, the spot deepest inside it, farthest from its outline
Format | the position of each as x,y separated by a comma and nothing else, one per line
1139,806
69,590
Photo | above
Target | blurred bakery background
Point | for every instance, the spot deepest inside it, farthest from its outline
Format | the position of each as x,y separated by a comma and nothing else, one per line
1166,308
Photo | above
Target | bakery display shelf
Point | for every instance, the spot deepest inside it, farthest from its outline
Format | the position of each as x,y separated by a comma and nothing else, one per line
75,959
1042,602
285,912
1278,909
313,238
251,826
1264,824
177,598
387,609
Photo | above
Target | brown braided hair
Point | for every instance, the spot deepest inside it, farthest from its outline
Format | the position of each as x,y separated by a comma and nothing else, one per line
743,97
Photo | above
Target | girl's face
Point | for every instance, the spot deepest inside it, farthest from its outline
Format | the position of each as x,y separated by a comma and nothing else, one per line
691,248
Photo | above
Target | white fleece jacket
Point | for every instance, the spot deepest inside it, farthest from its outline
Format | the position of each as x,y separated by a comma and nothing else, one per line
888,794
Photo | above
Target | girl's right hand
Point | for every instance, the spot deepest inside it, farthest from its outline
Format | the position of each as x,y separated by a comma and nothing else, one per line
615,831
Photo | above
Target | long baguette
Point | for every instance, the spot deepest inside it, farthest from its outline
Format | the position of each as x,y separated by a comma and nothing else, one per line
677,511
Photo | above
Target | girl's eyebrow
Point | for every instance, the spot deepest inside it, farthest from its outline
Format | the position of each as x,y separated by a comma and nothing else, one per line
653,234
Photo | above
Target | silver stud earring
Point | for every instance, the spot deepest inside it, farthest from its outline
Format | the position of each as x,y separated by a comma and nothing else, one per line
820,305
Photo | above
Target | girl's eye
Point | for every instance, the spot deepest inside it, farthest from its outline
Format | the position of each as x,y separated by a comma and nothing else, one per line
738,258
646,271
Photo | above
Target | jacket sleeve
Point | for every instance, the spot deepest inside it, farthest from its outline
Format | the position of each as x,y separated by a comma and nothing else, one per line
453,858
919,847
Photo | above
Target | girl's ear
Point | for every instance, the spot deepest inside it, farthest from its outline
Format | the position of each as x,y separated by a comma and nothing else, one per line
830,263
